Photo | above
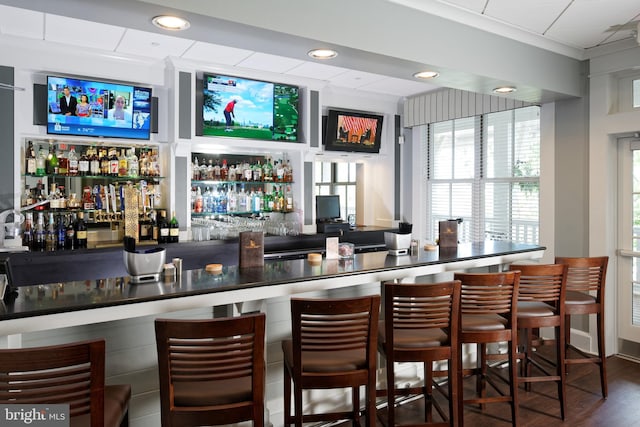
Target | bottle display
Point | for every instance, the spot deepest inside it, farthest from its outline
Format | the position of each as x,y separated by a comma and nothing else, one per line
242,185
84,183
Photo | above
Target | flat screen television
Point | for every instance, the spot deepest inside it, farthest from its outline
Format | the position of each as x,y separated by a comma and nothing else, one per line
96,108
327,208
353,131
244,108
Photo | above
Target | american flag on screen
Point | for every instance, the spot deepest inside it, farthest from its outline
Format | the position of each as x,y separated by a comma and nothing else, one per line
358,126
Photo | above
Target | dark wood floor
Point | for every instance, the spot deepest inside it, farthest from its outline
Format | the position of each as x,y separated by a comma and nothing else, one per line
540,407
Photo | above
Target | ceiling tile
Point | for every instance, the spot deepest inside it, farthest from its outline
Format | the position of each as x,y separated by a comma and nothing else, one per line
21,22
534,16
215,53
272,63
356,79
398,87
316,70
585,22
77,32
152,45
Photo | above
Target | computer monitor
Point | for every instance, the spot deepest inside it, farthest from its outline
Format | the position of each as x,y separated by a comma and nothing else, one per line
327,208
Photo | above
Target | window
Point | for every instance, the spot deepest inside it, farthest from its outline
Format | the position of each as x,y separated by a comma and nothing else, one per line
636,93
485,170
340,179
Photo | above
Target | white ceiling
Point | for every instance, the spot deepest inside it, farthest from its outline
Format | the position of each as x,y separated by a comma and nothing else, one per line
569,27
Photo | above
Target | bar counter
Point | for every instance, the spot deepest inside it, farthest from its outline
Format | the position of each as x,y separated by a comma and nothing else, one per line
55,305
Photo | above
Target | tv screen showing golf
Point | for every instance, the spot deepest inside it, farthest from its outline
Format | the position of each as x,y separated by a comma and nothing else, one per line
244,108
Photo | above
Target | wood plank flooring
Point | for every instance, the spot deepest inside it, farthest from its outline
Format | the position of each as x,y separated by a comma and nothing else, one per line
540,406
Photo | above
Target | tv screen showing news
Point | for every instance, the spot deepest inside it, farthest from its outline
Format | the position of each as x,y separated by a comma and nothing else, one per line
353,131
100,109
244,108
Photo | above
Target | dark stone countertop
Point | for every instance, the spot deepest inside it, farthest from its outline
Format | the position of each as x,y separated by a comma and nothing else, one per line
65,297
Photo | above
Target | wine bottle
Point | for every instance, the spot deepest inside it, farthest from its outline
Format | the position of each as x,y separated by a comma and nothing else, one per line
51,238
81,231
70,234
27,233
174,230
163,228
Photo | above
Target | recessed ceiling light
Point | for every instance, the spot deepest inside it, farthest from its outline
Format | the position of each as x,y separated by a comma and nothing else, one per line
426,75
167,22
322,53
505,89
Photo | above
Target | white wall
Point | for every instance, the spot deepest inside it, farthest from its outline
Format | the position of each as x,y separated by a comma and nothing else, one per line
605,124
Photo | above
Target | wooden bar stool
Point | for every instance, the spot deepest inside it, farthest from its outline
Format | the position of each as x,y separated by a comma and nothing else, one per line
421,325
488,304
541,297
332,345
585,295
212,371
70,374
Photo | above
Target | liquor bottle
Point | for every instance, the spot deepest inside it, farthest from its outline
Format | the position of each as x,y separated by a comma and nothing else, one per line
51,239
198,205
257,171
105,168
174,230
83,164
163,228
224,170
30,159
144,228
288,200
40,233
114,163
280,171
81,231
232,175
133,164
94,163
267,170
27,232
73,162
216,171
70,234
155,231
63,163
123,164
154,165
267,201
143,163
41,163
51,164
61,231
232,199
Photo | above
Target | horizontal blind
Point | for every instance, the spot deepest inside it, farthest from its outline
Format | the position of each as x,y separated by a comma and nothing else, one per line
512,172
486,170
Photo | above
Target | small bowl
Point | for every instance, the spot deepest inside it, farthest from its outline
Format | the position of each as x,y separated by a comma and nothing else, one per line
346,250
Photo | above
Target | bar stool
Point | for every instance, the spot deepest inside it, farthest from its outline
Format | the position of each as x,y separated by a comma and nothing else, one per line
488,304
541,298
332,345
212,371
421,325
70,374
586,278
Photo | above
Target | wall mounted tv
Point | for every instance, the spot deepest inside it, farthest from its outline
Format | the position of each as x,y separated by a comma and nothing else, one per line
97,109
353,131
244,108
